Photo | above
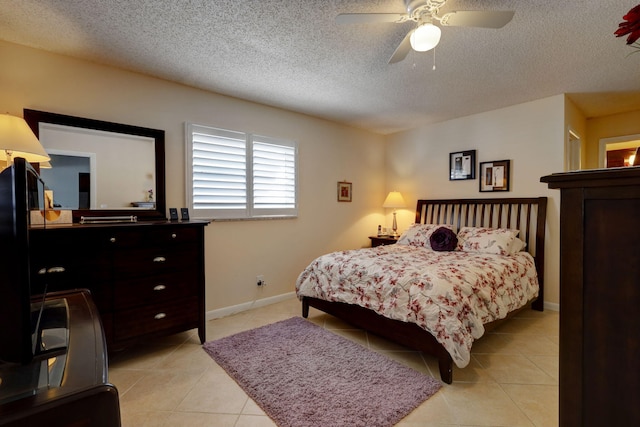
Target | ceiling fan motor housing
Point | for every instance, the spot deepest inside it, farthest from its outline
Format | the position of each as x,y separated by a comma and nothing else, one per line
416,8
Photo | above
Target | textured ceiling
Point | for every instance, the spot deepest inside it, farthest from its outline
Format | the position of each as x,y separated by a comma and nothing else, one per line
291,54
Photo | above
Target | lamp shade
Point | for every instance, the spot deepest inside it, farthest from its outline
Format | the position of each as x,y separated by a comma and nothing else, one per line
17,140
425,37
394,200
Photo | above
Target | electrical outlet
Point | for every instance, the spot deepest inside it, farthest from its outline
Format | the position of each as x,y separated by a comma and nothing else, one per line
260,280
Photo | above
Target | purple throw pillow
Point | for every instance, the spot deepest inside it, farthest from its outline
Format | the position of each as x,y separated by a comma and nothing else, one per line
443,239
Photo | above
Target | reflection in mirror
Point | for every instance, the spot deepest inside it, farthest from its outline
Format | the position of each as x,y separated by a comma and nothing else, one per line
619,151
101,168
573,152
124,176
70,180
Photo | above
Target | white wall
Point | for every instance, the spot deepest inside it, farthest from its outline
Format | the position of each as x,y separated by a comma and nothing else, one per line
235,251
414,163
531,135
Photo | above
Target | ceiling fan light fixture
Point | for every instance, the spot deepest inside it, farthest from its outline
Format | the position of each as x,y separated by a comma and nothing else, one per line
425,37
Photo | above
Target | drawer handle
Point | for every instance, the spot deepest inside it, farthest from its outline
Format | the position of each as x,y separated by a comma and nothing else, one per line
55,270
174,235
159,288
160,316
159,259
112,240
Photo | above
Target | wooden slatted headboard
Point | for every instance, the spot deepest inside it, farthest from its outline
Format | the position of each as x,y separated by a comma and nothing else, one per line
525,214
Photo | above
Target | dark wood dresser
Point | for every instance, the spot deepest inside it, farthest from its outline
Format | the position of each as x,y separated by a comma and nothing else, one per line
599,296
147,278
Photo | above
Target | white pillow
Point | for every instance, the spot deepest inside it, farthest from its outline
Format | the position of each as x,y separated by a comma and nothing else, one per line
517,246
498,241
419,235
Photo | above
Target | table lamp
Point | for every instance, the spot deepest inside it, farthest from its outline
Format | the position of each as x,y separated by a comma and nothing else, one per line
17,140
394,200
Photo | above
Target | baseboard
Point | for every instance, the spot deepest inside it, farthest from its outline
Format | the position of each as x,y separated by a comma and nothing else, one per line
234,309
551,306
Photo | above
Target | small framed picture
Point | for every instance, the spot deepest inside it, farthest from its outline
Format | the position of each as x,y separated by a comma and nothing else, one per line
173,214
462,165
344,191
495,175
184,214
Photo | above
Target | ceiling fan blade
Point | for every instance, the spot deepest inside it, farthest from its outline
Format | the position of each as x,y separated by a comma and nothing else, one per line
402,50
478,18
369,18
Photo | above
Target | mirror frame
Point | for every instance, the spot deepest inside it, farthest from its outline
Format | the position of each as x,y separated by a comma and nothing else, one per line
35,117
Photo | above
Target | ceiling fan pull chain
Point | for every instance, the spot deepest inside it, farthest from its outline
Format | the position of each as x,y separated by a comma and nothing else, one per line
434,59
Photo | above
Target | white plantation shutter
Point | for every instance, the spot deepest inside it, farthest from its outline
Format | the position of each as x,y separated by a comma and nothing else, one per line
234,175
274,177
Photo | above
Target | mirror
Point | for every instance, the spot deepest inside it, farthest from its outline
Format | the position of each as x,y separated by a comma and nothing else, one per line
102,168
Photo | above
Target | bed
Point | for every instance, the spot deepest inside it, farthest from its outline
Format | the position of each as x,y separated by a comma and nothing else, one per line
403,293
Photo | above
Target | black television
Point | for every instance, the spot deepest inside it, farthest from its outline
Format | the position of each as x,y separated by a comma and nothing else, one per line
21,190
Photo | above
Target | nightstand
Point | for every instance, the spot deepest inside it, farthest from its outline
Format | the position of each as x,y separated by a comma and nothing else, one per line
382,240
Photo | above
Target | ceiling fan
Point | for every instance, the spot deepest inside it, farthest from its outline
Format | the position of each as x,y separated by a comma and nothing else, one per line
425,36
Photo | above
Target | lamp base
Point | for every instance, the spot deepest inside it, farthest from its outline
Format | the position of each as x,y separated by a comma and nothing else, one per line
395,225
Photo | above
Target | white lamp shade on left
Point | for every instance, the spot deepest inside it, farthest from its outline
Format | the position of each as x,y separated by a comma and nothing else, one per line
17,140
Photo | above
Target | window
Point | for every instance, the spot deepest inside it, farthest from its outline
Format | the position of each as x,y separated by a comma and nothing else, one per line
237,175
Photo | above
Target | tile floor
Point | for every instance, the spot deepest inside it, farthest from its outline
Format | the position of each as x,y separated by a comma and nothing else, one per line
512,379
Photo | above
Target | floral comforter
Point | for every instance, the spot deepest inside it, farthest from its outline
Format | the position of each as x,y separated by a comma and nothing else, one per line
450,294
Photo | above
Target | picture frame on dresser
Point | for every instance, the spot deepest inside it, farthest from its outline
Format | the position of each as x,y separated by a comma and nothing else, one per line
495,175
173,214
462,165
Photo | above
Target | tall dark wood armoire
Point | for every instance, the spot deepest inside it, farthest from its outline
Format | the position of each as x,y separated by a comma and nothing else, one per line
599,296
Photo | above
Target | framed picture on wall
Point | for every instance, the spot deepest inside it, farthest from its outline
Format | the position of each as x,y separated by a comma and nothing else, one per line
495,175
462,165
344,191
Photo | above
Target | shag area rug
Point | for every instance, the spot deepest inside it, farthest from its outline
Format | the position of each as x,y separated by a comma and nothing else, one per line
302,375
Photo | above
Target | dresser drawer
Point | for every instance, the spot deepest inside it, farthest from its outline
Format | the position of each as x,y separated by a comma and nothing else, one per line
121,239
154,289
62,261
151,261
171,315
170,236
